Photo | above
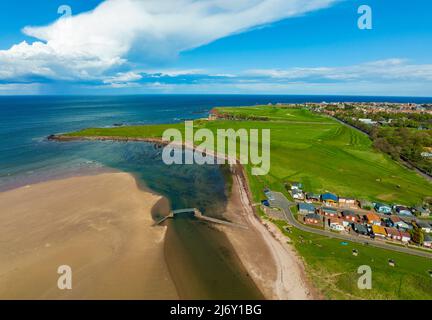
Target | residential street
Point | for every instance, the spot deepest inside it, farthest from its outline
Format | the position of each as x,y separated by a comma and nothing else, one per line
283,203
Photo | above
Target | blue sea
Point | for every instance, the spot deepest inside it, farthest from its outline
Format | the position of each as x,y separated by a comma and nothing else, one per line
26,157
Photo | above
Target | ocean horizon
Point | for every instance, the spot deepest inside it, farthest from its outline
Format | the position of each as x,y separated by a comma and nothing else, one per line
302,98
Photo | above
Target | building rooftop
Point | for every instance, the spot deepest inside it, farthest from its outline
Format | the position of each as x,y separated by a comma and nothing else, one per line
306,206
395,219
329,196
373,217
328,209
313,216
379,230
423,224
392,231
360,228
379,205
348,213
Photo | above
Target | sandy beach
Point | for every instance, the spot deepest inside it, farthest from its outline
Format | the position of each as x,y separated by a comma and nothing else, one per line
100,226
272,263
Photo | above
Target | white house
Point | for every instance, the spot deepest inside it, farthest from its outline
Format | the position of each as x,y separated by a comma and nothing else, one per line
336,225
298,194
296,186
426,227
405,236
367,121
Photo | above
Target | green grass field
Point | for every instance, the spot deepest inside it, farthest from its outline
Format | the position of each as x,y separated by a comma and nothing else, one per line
327,156
275,113
315,150
333,269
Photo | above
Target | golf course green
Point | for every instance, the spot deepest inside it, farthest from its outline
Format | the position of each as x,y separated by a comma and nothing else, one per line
316,150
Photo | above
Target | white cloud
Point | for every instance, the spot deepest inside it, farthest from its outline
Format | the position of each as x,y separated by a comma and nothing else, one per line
386,70
388,77
176,72
88,45
19,88
123,77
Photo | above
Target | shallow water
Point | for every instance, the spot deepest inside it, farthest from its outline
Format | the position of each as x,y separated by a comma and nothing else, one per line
208,264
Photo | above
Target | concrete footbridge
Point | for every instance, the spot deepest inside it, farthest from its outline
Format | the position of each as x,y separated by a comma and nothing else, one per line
198,214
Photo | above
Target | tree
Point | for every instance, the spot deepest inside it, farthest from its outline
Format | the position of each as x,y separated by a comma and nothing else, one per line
418,235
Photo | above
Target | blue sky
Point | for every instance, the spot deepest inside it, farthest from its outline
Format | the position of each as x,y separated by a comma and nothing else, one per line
257,46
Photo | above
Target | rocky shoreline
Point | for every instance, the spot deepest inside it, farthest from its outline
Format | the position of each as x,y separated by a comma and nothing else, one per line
65,138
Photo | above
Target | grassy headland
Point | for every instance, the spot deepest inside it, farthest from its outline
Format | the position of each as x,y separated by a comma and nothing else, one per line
316,150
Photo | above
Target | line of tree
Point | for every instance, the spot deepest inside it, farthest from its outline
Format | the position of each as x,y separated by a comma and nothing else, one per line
399,142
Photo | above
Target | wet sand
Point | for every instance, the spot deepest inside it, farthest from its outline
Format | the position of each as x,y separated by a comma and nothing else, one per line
100,226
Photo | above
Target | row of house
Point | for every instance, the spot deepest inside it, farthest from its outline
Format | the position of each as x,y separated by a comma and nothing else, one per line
399,210
327,198
369,224
330,199
339,214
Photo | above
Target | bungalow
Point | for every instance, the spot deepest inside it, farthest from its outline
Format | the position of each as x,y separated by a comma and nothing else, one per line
360,229
329,212
379,231
403,211
329,198
393,233
373,219
349,216
405,226
346,223
312,197
296,186
383,208
426,227
347,202
306,208
336,224
427,242
405,236
297,194
366,204
394,220
398,223
313,218
423,212
388,223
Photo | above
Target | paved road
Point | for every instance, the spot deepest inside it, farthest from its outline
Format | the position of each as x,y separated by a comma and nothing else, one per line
283,203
